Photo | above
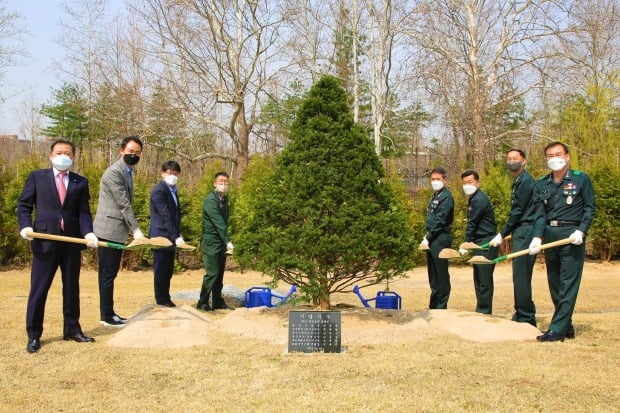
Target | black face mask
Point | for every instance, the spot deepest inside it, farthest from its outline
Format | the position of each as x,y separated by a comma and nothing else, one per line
513,166
131,158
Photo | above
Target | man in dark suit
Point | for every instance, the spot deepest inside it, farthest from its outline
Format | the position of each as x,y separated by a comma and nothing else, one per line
114,220
60,201
165,212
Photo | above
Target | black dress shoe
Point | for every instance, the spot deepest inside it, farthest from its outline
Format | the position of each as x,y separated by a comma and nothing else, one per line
204,307
570,333
80,338
550,336
221,306
33,345
167,304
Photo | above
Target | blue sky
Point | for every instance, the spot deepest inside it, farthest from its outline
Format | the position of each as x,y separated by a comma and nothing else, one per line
35,73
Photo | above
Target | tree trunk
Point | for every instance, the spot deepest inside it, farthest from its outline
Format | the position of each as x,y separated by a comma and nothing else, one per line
243,143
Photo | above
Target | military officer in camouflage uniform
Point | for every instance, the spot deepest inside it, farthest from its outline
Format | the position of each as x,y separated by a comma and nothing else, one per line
215,244
565,201
520,224
481,228
439,217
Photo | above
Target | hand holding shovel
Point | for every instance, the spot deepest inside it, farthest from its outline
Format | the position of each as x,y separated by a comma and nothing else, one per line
479,259
181,245
449,253
474,246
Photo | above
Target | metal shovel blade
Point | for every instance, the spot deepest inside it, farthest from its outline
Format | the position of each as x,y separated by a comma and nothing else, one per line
186,247
471,246
479,259
449,253
155,242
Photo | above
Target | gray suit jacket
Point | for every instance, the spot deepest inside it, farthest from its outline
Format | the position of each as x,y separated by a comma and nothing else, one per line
115,217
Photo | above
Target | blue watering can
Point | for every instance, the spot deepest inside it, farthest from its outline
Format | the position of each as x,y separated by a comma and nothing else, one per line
262,297
387,300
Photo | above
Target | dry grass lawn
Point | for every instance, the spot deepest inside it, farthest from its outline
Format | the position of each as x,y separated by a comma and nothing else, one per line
443,373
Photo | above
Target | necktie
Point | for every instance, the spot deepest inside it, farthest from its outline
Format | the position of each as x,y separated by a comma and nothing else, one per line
62,193
130,181
60,186
174,197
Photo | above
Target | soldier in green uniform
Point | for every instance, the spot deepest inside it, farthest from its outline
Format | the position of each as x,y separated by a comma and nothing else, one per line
565,208
215,244
481,228
439,217
520,224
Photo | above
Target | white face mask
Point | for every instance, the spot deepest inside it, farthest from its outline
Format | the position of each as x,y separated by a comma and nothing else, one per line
556,163
437,185
222,188
62,162
469,189
171,180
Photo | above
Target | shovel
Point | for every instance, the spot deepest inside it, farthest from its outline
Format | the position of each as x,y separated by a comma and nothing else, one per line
157,242
479,259
449,253
474,246
186,247
452,253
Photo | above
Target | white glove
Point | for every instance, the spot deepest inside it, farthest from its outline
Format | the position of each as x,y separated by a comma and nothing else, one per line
424,243
137,234
93,241
535,246
24,233
463,251
179,241
496,241
229,246
577,236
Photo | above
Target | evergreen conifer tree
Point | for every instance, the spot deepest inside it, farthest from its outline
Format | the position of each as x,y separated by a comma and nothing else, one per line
324,220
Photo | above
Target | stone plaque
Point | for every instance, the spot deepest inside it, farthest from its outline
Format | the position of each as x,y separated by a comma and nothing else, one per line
314,331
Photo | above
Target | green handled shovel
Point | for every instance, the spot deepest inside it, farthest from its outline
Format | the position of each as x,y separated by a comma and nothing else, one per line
479,259
157,242
474,246
452,253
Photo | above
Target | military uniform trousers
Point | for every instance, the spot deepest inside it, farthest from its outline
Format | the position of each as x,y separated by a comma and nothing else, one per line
212,283
483,279
438,275
564,270
522,268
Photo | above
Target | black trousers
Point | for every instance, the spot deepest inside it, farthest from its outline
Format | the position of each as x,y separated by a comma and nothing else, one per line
163,267
44,267
109,264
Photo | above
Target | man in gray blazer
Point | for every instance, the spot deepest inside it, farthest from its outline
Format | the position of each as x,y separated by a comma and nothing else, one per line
114,221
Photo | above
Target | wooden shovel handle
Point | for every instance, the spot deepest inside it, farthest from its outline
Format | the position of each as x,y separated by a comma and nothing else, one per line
73,240
542,247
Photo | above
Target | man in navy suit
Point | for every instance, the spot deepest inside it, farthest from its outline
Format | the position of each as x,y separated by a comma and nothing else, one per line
165,222
59,199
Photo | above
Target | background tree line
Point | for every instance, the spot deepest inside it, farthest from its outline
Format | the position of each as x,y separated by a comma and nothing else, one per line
217,84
